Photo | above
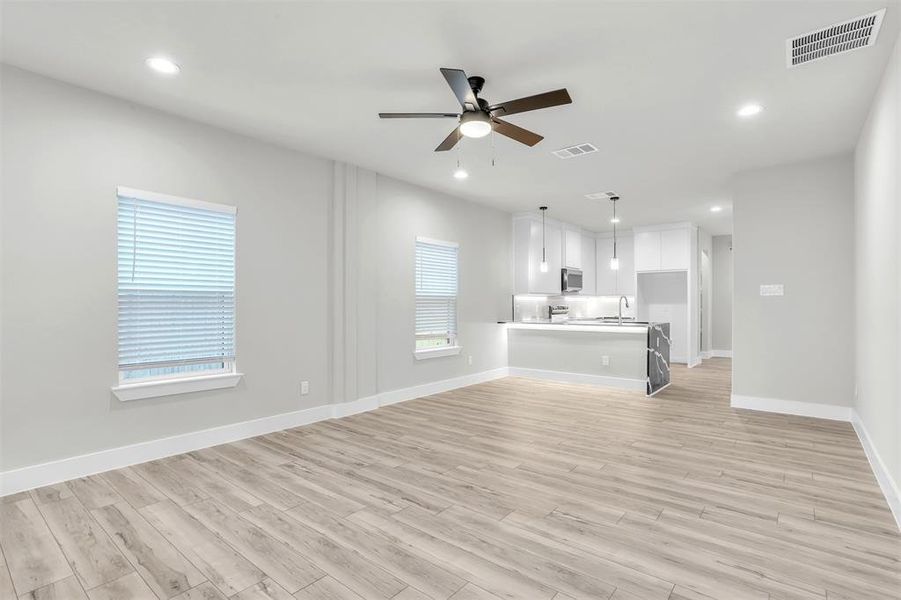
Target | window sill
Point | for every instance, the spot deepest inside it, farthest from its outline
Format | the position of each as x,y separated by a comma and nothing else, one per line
437,352
170,387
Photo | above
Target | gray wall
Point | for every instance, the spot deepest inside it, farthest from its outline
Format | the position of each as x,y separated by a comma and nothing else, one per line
705,268
793,225
64,151
485,237
877,218
721,338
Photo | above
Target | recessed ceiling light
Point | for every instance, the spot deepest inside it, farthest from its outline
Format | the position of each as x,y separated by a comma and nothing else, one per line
614,220
162,65
460,174
716,208
749,110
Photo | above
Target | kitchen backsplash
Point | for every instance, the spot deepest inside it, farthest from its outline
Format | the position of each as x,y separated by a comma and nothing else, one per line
535,308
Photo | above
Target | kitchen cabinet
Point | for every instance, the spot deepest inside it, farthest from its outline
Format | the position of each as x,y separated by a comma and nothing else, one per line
589,265
675,249
527,277
647,251
663,249
572,247
622,281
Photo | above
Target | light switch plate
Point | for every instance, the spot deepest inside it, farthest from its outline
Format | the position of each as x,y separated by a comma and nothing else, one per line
772,289
304,388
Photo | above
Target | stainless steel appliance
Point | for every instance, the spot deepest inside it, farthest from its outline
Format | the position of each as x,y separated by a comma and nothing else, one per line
570,280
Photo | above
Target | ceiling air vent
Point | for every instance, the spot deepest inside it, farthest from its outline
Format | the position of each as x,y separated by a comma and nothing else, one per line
835,39
574,151
600,195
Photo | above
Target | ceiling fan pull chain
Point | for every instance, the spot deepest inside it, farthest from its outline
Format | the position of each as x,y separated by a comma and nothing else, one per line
493,153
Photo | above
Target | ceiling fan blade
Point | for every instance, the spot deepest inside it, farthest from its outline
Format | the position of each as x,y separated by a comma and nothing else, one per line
458,82
545,100
418,115
450,141
524,136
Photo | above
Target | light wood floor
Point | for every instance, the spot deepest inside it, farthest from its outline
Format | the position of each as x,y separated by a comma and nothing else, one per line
510,489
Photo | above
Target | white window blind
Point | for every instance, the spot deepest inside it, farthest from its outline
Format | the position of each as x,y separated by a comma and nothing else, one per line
436,293
176,272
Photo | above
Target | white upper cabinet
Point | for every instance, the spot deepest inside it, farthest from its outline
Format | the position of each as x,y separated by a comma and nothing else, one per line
647,251
625,276
589,267
549,282
622,281
572,247
663,249
527,276
675,249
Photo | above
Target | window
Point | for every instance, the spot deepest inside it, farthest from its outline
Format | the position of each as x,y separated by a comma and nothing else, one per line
176,292
436,298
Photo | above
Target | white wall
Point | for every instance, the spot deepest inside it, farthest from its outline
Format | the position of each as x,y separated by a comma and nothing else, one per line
793,225
877,217
305,244
721,327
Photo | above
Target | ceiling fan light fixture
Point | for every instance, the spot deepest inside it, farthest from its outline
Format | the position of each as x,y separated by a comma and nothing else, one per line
460,173
475,124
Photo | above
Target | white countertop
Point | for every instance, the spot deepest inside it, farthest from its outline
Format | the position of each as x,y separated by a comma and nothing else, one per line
629,329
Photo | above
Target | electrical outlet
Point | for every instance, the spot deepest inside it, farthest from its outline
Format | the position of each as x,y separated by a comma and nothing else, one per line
469,360
605,360
304,388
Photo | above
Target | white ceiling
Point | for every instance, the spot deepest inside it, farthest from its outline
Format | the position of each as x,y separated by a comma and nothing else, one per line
654,85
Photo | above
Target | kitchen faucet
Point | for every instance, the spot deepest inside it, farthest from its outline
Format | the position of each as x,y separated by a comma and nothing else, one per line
620,303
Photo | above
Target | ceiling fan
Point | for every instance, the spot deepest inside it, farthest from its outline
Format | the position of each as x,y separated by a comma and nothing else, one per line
479,118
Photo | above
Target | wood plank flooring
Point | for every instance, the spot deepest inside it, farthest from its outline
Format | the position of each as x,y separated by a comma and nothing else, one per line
512,489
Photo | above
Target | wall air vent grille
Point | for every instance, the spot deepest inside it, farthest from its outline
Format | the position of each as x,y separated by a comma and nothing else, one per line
573,151
835,39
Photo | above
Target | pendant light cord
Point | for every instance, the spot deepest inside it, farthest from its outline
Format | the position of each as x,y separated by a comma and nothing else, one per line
614,228
543,246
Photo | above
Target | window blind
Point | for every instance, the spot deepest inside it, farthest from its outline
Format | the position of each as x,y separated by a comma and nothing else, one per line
436,290
176,292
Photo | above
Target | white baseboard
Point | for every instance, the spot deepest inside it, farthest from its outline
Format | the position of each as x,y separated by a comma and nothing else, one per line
436,387
600,380
792,407
355,407
34,476
887,484
48,473
720,353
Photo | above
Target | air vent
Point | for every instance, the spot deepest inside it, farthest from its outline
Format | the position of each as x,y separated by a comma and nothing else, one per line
574,151
600,195
835,39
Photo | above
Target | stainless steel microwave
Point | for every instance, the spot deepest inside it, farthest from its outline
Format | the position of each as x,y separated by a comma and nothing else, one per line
570,280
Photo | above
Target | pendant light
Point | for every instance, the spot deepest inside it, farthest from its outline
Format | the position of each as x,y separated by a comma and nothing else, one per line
614,261
543,266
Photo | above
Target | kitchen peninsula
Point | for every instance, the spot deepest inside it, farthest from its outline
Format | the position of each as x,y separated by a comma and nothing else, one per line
632,355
